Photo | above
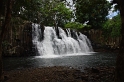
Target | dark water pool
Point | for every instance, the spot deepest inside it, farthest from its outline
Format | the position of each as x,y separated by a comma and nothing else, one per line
80,61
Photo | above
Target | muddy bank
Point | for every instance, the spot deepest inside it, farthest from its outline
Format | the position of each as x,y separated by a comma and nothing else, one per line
60,74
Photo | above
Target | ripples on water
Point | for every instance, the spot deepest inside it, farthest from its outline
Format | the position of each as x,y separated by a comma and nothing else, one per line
79,61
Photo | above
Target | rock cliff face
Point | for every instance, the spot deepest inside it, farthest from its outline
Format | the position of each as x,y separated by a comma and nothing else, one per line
18,41
99,41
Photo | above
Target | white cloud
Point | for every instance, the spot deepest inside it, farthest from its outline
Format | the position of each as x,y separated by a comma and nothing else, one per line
109,0
112,13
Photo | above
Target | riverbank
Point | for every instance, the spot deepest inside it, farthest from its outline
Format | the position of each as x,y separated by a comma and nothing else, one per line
60,74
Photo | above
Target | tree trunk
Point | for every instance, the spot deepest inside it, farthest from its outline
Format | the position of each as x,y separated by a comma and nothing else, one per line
4,31
120,57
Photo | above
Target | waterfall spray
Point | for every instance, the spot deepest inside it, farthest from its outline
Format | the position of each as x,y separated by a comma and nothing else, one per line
66,45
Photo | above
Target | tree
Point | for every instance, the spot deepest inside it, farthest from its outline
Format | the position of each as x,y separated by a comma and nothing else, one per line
111,27
120,57
77,26
74,25
93,11
4,28
26,9
46,12
54,12
63,14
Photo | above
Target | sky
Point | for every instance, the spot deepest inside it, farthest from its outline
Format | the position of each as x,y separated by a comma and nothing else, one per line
111,13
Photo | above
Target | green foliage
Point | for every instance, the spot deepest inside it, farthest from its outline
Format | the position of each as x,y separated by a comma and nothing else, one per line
112,27
26,9
94,11
76,25
64,12
55,13
47,12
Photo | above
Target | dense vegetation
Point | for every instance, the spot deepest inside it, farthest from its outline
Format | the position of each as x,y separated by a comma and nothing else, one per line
92,11
112,26
56,13
47,12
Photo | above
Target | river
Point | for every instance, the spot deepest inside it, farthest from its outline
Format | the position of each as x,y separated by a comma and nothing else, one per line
76,61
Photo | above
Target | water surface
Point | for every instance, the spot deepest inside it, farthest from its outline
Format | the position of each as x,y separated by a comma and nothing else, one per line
79,61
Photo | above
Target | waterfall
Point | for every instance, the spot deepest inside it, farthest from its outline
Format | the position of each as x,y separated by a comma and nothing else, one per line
67,44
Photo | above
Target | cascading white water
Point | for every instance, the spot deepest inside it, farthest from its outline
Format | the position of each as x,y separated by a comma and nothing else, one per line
52,45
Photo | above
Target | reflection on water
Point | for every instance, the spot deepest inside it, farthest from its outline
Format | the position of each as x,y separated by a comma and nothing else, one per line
80,61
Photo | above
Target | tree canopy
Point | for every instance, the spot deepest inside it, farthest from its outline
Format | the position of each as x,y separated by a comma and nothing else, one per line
112,26
93,11
47,12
